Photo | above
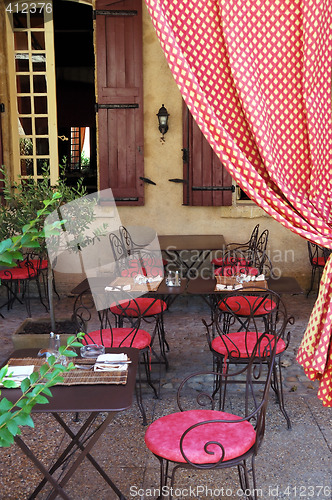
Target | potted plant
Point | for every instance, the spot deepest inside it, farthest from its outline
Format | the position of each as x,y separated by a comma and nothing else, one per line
25,200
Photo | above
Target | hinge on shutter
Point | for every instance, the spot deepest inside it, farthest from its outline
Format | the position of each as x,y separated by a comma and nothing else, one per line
185,155
114,13
214,188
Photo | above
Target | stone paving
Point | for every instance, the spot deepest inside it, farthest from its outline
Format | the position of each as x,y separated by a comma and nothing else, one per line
291,464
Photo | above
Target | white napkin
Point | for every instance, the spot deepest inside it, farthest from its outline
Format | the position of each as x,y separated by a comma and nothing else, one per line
220,287
19,373
107,362
117,288
261,277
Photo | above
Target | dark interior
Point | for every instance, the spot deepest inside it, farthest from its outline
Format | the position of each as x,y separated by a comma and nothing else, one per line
74,61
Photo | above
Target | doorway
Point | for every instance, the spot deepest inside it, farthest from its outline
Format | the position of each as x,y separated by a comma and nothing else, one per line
75,92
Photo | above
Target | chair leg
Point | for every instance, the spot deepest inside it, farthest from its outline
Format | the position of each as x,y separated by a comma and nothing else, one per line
249,490
138,390
276,384
313,273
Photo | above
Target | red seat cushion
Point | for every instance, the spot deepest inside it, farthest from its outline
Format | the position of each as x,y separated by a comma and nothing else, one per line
119,337
241,344
144,306
35,263
228,261
17,273
145,266
248,305
163,436
319,261
232,270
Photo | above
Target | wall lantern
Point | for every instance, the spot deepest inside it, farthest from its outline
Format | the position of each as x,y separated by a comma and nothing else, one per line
163,121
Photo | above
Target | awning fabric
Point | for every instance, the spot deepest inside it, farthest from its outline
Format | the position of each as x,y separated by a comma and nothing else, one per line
256,76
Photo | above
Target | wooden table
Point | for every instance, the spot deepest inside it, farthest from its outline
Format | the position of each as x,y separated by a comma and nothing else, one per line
284,285
94,399
200,246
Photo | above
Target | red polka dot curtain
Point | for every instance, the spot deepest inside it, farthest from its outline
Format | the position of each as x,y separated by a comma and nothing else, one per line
256,76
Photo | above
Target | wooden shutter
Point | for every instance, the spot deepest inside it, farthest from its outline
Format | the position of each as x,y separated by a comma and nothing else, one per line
206,180
119,72
2,108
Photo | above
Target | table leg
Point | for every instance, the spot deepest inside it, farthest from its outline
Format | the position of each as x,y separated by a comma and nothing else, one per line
75,441
41,467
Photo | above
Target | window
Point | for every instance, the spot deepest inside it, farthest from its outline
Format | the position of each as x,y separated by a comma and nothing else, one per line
32,81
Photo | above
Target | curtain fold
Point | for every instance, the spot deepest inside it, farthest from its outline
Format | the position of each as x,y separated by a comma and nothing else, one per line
256,76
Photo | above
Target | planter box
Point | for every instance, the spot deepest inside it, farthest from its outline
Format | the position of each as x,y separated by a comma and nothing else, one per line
36,332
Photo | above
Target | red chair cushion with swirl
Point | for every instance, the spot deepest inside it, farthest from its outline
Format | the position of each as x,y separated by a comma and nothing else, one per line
145,266
228,261
241,344
18,273
142,306
119,337
319,261
233,270
163,436
248,305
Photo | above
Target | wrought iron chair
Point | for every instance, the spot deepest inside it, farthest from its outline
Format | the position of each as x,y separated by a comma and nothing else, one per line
246,248
151,309
247,259
109,335
209,435
239,321
18,279
317,257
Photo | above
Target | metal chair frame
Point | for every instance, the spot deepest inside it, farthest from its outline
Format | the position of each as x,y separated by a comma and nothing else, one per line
316,253
122,257
258,369
83,311
265,313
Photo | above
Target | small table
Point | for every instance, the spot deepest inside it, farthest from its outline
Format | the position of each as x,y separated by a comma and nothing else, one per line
95,399
175,245
206,288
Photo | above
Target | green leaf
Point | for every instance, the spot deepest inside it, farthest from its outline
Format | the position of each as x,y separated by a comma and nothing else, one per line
5,244
6,258
43,369
13,427
9,384
46,391
24,419
3,371
41,400
34,377
5,417
25,384
5,405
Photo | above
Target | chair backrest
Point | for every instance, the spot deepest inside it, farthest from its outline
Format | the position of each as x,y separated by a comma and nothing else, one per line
132,259
99,326
252,312
253,237
316,252
248,399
